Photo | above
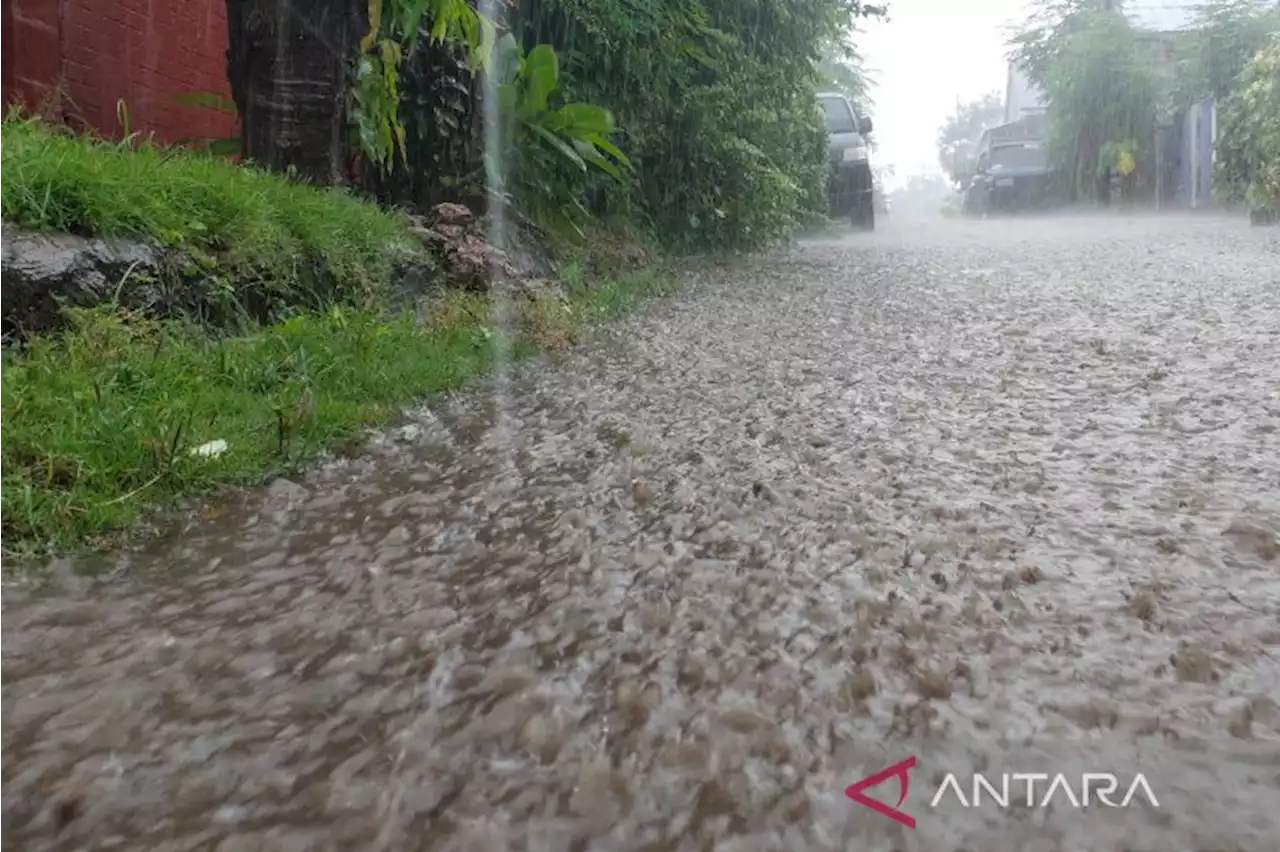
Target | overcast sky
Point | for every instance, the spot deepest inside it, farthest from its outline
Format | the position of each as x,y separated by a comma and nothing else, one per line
925,56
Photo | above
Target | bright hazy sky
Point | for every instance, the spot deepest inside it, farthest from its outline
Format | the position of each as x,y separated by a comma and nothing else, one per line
928,53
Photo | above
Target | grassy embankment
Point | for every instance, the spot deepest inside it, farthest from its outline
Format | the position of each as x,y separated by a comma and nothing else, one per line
101,422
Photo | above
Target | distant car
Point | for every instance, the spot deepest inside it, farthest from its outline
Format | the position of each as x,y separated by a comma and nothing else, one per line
851,187
1012,173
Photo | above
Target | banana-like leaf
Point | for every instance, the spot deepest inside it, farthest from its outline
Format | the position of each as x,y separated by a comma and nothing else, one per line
375,24
542,74
610,149
587,118
559,144
592,155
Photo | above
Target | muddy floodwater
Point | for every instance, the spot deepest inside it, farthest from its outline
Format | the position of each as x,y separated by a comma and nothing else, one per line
1002,497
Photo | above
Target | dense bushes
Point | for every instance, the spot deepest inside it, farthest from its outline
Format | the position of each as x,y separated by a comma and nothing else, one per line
1231,53
1248,164
711,103
714,101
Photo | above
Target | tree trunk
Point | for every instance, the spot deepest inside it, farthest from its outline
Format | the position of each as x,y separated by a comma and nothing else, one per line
287,62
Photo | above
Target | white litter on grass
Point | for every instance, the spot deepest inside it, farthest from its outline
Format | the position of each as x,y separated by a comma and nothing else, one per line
212,449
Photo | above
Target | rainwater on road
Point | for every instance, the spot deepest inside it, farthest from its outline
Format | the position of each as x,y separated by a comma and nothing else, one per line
1002,496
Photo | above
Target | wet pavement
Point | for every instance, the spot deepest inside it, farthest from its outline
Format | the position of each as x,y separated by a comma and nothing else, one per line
1003,497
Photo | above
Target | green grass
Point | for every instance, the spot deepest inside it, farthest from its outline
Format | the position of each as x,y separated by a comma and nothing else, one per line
100,422
292,243
613,298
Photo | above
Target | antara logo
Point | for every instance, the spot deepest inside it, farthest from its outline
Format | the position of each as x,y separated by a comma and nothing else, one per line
1032,789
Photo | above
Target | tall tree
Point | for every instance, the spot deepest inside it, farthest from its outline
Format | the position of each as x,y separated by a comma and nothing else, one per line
958,138
1102,81
843,70
287,63
1225,36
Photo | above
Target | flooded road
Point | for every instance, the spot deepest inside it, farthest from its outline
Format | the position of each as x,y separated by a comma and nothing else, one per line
1002,498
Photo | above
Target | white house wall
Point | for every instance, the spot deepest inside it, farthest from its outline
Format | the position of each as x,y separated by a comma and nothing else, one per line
1021,97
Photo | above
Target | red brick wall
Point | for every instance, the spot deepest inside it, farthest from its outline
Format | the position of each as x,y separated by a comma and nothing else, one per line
142,52
32,49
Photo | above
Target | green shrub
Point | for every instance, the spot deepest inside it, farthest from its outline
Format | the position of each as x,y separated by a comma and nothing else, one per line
714,101
1248,155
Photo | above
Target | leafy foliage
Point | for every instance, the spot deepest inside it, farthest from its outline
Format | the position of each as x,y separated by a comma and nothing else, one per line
1227,55
395,27
444,142
1248,165
1041,45
544,152
714,101
842,69
958,138
1225,36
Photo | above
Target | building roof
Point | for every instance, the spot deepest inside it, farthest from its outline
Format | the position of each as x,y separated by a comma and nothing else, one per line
1029,128
1162,15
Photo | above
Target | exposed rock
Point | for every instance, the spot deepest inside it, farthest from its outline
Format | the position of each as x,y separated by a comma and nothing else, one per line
415,274
448,213
614,253
451,232
470,261
42,272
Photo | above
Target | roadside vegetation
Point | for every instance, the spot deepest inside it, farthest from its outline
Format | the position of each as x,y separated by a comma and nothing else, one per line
653,129
123,414
1249,157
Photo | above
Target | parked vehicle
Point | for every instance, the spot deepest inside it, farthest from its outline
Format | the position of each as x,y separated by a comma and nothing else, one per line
851,187
1012,173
